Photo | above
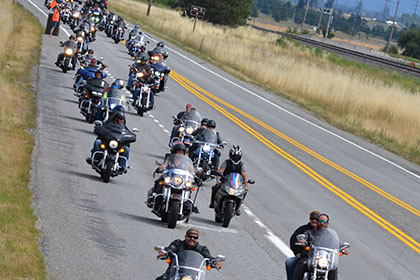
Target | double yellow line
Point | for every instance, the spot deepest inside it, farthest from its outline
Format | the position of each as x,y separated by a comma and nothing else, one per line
200,93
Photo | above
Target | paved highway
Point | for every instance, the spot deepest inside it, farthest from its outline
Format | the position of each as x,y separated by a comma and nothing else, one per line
93,230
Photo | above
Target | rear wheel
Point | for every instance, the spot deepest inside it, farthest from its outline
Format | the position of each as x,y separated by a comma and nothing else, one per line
107,171
173,213
228,214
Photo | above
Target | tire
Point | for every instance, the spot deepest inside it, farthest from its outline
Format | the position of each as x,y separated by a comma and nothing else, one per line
65,66
106,174
90,118
140,112
228,214
164,218
173,213
217,219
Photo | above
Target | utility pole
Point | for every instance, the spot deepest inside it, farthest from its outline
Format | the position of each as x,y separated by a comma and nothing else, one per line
415,11
388,43
149,7
304,17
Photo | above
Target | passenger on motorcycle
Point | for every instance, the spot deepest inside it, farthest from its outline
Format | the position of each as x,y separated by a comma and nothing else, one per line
202,127
118,118
114,91
299,250
85,60
231,165
189,243
71,44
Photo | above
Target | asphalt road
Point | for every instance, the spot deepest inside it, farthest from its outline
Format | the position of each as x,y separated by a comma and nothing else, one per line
93,230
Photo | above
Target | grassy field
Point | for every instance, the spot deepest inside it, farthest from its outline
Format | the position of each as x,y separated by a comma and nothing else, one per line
381,106
20,257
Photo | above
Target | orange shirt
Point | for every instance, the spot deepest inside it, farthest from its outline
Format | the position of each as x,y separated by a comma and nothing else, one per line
56,16
53,4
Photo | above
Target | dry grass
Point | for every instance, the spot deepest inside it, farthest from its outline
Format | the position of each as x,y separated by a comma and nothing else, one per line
20,257
375,104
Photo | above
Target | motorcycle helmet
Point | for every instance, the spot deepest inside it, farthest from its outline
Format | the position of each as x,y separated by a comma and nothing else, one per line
119,108
178,147
235,154
118,115
91,51
160,45
98,72
93,62
137,26
118,84
72,37
211,123
204,121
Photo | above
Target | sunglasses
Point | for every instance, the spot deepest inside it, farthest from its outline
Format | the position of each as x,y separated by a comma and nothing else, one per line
323,221
313,218
192,236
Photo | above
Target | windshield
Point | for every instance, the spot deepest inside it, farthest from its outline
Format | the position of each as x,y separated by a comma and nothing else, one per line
326,238
235,179
191,118
176,161
209,136
190,263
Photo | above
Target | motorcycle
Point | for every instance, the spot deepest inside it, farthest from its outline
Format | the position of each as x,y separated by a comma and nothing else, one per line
82,47
188,264
187,125
110,26
161,72
89,102
229,198
74,20
118,35
65,15
82,74
323,253
65,64
174,202
114,140
142,103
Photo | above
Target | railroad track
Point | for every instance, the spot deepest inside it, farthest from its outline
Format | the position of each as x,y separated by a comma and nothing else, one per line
360,56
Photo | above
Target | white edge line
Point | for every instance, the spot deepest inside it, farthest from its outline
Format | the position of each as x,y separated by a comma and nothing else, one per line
292,114
220,230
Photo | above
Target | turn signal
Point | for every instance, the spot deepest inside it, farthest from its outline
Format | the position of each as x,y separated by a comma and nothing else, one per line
102,146
122,150
86,96
168,261
340,254
307,248
160,183
193,189
208,267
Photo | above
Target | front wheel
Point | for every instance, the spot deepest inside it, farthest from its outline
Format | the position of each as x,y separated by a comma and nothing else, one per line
228,214
106,173
140,111
173,213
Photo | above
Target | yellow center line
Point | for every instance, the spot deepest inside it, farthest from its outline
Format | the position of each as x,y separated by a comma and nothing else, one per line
309,151
409,241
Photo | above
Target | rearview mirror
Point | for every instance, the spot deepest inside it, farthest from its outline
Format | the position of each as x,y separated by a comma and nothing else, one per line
221,258
135,129
159,162
250,181
159,248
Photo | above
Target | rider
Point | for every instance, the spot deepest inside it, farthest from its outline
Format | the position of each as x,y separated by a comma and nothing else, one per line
118,119
189,243
147,79
138,66
203,126
88,57
117,85
211,125
231,165
298,250
71,44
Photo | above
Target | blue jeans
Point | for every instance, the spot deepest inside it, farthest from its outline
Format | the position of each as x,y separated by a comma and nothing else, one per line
130,80
96,147
290,266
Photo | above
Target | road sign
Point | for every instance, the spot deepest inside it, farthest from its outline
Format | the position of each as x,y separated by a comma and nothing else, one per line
197,11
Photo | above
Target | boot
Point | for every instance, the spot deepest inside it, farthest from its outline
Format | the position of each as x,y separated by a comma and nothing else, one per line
214,190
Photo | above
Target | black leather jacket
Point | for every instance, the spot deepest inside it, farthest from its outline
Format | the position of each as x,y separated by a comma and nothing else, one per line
179,245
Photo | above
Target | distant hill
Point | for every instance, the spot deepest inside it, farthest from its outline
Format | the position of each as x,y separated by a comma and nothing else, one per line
406,6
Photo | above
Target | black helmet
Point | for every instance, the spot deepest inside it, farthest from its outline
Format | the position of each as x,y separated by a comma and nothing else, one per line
91,51
98,72
72,37
119,108
204,121
160,45
235,154
118,84
211,123
178,147
118,115
143,58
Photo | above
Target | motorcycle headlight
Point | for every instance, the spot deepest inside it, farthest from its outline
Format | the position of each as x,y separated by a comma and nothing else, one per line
76,15
322,262
157,73
186,278
167,180
113,144
119,28
181,129
178,180
79,39
68,52
206,148
156,58
189,130
139,75
188,184
112,22
112,106
162,74
92,29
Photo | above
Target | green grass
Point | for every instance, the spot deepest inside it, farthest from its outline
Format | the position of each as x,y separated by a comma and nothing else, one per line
20,256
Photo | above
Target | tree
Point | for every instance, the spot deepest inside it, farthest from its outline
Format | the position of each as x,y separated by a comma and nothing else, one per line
232,13
409,41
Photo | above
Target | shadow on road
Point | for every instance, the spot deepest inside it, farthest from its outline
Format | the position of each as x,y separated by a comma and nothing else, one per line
90,132
150,221
73,118
194,218
85,175
69,100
